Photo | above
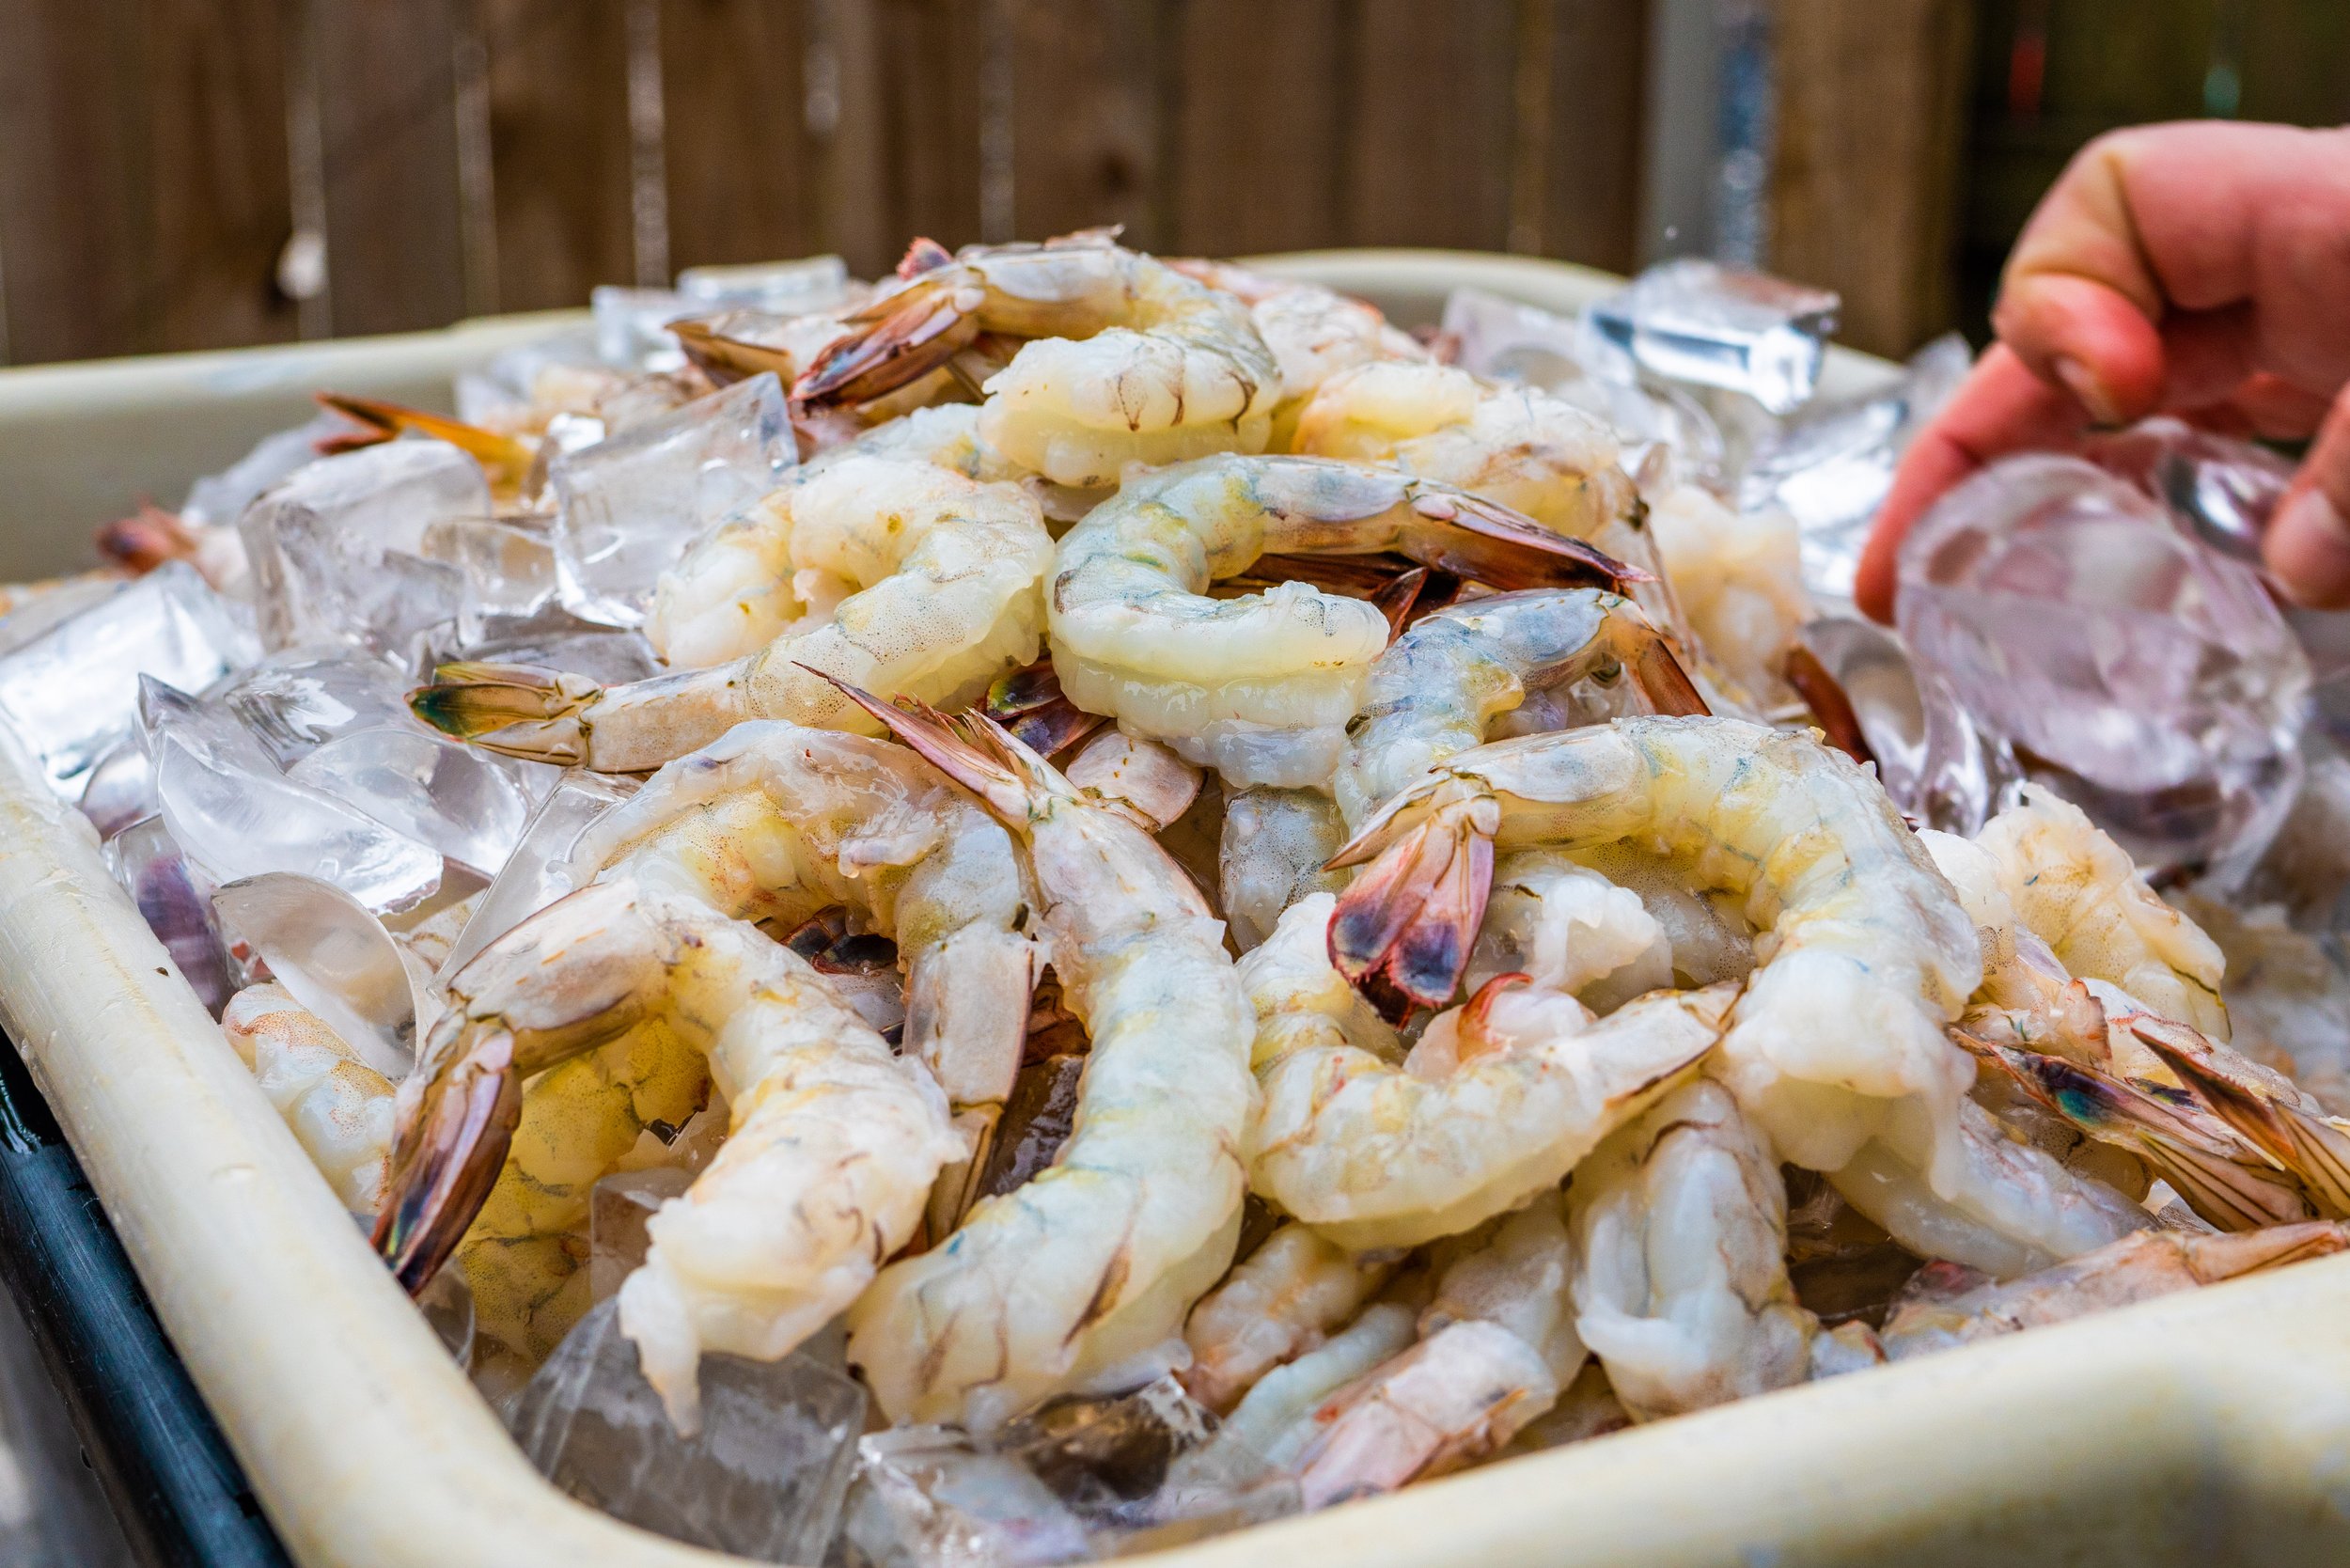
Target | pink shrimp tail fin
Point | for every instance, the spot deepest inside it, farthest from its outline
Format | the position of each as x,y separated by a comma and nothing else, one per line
971,749
1403,930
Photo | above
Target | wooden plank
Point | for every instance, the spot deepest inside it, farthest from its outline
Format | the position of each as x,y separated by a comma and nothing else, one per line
1086,84
558,148
1257,125
924,78
1429,123
387,88
73,179
1591,162
732,85
2296,61
1864,184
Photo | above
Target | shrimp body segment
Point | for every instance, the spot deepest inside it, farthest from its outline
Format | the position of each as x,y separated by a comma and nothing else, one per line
1498,1100
1277,1304
1094,1262
1869,954
1260,686
339,1107
906,574
1130,361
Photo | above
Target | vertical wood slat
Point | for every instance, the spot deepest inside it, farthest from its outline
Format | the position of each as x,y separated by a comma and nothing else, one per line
559,148
1864,196
1254,162
924,75
386,96
1428,123
1592,157
738,186
1086,101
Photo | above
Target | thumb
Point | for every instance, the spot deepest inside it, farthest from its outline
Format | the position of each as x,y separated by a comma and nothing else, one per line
2308,545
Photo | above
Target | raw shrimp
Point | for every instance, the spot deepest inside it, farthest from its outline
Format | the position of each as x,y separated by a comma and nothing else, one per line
1567,928
1132,362
1089,1268
1738,576
339,1107
1497,1345
1274,847
1681,1285
1497,1101
1260,686
772,823
1313,332
1276,1304
2076,889
941,576
1274,1421
1869,954
2136,1268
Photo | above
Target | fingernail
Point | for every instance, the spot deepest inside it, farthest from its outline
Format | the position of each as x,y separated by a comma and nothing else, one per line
2084,386
2309,550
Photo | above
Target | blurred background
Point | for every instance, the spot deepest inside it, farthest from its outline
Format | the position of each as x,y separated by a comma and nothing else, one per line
182,174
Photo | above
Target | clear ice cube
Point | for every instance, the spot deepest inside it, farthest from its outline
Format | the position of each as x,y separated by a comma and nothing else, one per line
1709,325
926,1497
509,570
217,500
538,871
1936,765
618,1209
333,956
120,790
454,797
71,693
763,1477
296,701
176,900
1830,469
236,815
627,508
2150,676
2222,490
333,546
632,326
798,287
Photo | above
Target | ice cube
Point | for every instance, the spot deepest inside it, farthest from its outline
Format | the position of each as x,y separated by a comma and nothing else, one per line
333,546
296,701
334,957
120,790
632,326
627,508
217,500
448,1305
538,871
509,570
1709,325
237,816
2223,490
618,1209
1831,468
926,1497
176,900
2152,676
608,657
71,693
763,1477
454,797
787,287
505,386
1935,764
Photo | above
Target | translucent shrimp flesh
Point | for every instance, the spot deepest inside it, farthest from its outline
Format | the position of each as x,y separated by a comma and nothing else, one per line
1277,1304
1567,928
1088,1270
1738,578
942,578
339,1107
1497,1101
1129,360
1274,846
1260,687
1681,1284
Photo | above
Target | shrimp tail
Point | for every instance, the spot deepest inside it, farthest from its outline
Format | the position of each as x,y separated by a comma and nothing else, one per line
147,538
2315,1150
1403,930
971,749
727,360
925,254
1505,549
525,710
897,340
447,1158
1825,695
502,456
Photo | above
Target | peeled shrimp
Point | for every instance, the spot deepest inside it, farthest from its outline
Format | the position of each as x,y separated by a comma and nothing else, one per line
1680,1284
1086,1271
1275,1420
1567,928
339,1107
837,1142
1313,332
1497,1101
1259,687
939,579
1738,576
1277,1304
1274,843
2078,890
1131,362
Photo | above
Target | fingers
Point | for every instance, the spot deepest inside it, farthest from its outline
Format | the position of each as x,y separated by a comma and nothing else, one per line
2308,545
2001,408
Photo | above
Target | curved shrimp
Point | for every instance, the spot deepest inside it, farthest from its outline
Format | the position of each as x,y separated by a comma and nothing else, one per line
1738,578
1681,1284
1277,1304
1313,332
1094,1262
1130,361
339,1107
942,577
1868,953
1260,686
1567,928
2078,891
774,822
1497,1101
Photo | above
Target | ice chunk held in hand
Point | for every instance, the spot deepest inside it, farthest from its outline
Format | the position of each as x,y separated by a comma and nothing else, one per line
1938,767
1699,322
2078,620
763,1477
627,508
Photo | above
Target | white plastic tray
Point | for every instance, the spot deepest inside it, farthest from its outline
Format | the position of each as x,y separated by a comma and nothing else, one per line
2206,1428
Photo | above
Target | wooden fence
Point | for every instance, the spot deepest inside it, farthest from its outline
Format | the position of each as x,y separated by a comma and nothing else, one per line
432,159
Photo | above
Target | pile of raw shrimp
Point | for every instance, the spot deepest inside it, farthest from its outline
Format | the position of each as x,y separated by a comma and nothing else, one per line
1194,839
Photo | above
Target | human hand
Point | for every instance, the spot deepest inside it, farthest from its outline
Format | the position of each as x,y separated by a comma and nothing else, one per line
2201,269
